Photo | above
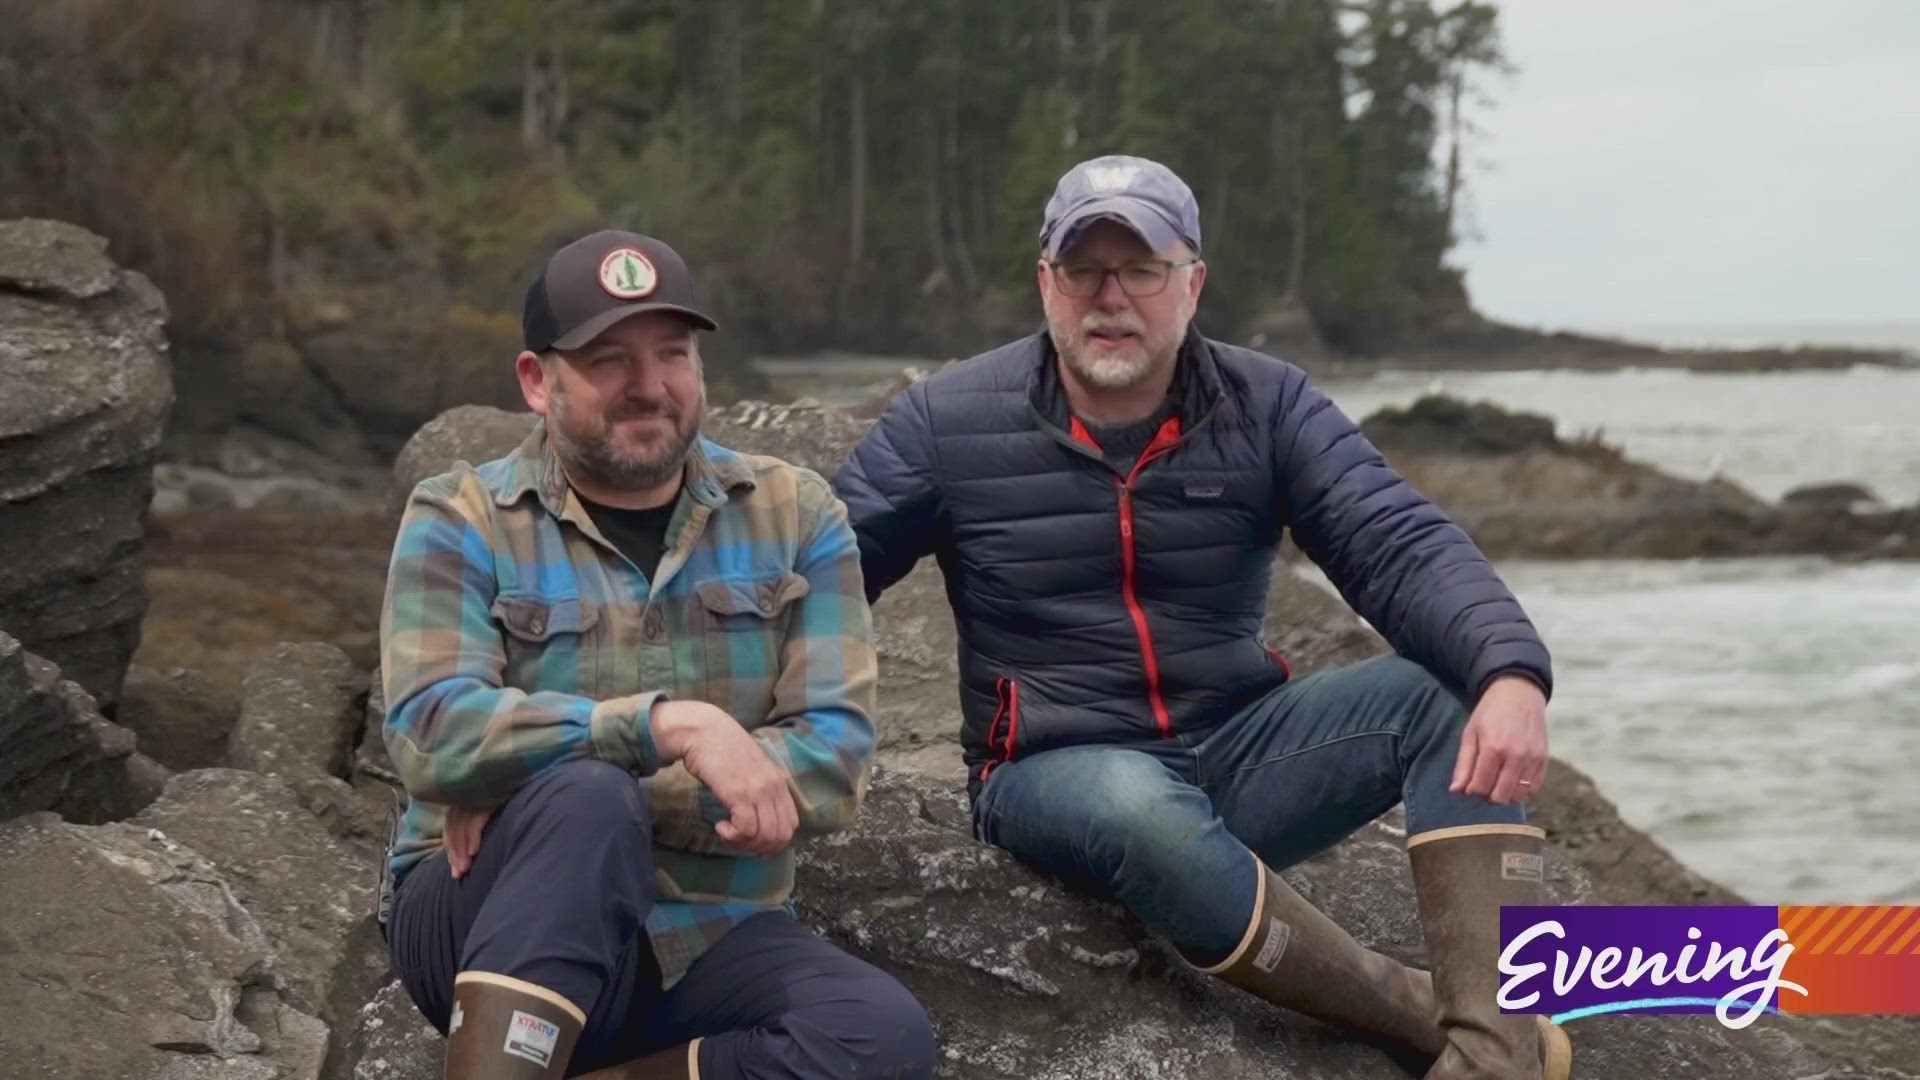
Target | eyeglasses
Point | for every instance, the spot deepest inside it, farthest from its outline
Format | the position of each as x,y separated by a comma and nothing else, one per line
1082,280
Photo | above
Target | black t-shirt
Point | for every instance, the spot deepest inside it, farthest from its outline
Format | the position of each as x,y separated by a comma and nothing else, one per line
641,535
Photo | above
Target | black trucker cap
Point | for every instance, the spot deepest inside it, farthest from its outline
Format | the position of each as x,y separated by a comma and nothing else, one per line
598,280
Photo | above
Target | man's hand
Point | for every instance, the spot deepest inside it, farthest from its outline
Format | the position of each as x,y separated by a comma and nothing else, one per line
462,836
731,763
1503,753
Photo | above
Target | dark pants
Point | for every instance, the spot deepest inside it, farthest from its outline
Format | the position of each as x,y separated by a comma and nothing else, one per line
557,897
1167,827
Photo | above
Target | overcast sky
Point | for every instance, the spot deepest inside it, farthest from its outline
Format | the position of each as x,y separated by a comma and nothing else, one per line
1700,161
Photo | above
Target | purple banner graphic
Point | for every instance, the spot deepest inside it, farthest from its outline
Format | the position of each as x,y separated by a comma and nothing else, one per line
1578,961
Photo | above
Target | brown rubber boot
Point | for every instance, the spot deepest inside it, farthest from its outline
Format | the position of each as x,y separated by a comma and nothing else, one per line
1463,876
1294,956
509,1029
674,1063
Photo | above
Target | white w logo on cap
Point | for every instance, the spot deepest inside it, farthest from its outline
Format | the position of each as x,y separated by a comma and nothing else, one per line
1111,177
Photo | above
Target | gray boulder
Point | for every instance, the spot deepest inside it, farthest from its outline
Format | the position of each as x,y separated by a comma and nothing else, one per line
129,956
85,390
392,1041
1834,498
802,432
370,757
300,711
1025,979
470,433
183,718
58,753
312,894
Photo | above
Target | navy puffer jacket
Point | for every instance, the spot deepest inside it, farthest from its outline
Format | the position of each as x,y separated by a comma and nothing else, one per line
1095,607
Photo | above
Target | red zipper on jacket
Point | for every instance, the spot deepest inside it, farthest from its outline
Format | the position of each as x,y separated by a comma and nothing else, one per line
1163,440
1013,715
1006,704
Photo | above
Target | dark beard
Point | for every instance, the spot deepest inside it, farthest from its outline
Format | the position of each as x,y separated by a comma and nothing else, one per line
594,457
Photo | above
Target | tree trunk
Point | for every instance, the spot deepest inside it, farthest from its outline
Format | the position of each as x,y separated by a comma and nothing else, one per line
936,211
960,220
530,101
857,168
560,91
1289,146
1297,258
1454,86
321,60
1064,15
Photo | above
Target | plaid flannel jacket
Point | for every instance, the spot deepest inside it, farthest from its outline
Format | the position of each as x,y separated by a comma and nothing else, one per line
514,637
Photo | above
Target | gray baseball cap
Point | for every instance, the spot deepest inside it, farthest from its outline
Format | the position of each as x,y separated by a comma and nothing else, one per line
1143,195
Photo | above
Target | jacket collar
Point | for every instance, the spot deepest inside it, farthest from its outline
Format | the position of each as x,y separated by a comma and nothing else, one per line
713,474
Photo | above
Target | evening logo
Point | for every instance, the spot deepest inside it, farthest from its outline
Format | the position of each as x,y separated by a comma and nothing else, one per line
1736,962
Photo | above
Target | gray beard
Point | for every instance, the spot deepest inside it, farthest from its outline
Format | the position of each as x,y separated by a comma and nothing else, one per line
1108,374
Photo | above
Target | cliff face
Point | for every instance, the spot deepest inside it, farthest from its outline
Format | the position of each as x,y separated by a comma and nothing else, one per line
85,392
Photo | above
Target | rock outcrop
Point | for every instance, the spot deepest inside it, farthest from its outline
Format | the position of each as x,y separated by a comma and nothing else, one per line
183,719
1025,979
469,433
311,892
85,391
300,713
1455,337
390,1040
1522,491
129,955
58,753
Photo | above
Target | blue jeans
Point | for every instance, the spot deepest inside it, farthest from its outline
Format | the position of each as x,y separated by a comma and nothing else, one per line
557,896
1166,827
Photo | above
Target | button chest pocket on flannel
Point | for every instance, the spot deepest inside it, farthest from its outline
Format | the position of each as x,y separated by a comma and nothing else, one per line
546,639
743,626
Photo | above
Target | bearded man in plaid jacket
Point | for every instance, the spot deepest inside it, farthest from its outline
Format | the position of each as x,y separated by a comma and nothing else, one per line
626,669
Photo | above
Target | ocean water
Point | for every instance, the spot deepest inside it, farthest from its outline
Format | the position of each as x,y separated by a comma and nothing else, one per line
1759,717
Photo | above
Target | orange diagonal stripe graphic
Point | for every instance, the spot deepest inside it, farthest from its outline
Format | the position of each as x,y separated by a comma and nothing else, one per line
1827,915
1907,916
1879,914
1793,917
1849,916
1901,945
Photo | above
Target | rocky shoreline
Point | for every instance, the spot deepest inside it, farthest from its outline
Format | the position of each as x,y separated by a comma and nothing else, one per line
1522,491
1472,342
191,826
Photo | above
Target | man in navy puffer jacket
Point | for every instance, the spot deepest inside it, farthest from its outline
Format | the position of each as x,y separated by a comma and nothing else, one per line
1106,500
